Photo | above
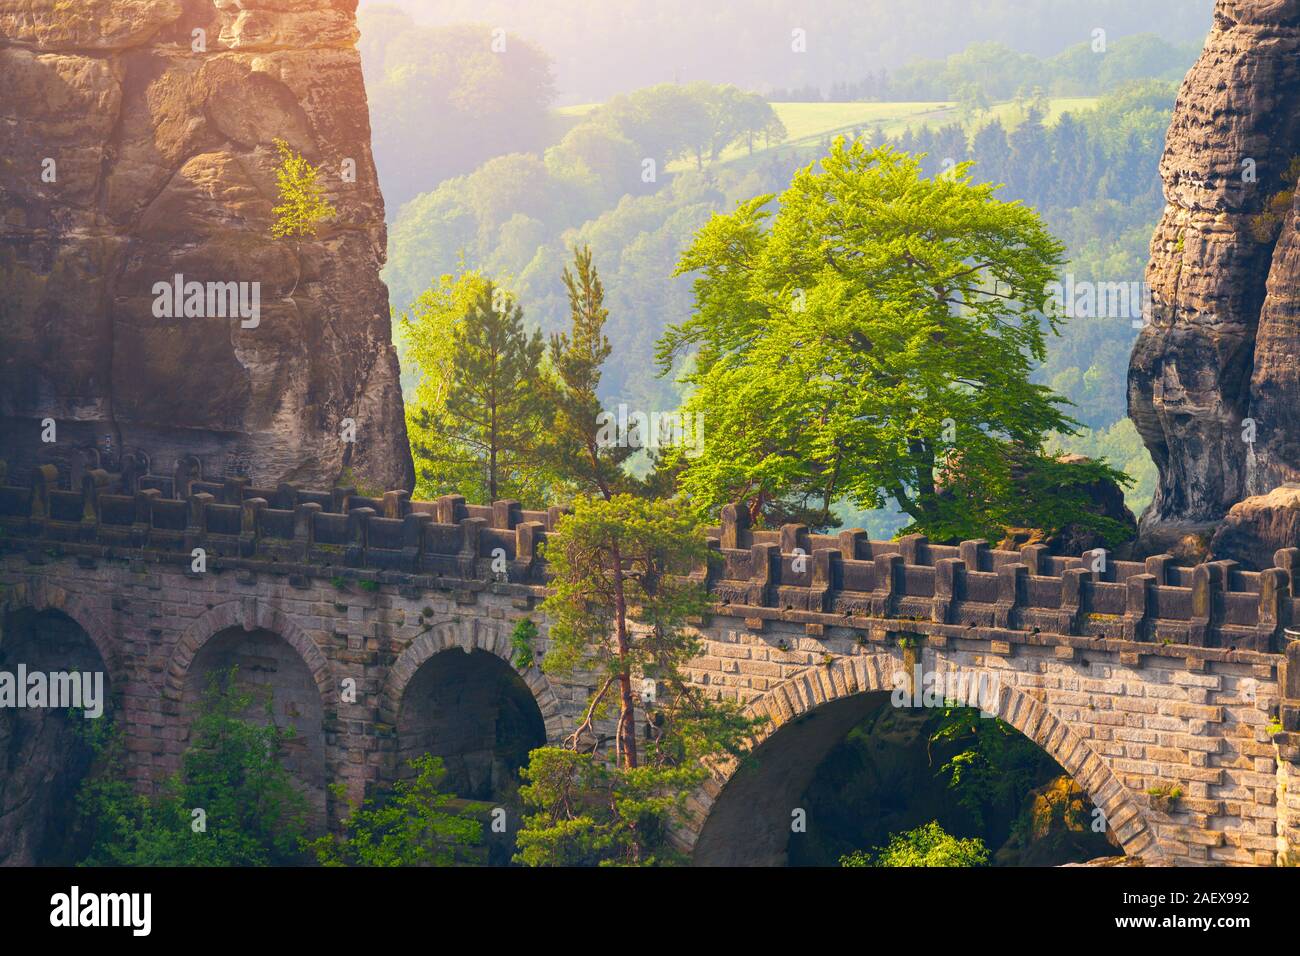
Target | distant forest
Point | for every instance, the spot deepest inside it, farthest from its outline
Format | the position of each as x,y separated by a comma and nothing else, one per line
605,47
481,171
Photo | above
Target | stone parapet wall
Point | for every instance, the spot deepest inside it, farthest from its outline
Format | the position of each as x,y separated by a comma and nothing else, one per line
1212,605
1129,697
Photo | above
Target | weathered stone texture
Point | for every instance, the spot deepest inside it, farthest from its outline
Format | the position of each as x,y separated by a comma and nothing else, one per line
1120,718
1221,345
165,164
1257,527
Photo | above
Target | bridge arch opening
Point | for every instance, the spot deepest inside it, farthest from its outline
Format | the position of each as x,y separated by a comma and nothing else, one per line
267,667
44,751
849,773
475,712
472,710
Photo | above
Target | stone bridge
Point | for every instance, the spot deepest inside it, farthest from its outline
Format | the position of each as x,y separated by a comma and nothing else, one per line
382,628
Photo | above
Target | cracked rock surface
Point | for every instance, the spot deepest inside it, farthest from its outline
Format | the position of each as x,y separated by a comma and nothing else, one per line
1222,349
137,144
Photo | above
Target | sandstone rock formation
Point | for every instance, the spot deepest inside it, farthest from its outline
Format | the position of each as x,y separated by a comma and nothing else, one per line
1220,350
1104,498
1055,827
137,144
1256,528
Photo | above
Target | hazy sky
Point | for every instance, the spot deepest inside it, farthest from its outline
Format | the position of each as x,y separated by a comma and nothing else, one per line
603,47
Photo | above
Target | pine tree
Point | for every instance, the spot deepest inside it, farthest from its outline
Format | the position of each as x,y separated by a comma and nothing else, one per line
992,154
479,407
1069,145
575,448
618,563
1031,158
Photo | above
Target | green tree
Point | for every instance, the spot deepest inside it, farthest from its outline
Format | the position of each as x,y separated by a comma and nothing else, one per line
414,826
666,121
232,780
926,845
618,607
874,343
477,408
576,445
991,153
302,206
735,116
996,765
972,99
1031,156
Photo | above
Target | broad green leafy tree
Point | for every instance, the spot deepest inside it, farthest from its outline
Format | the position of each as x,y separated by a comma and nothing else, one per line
873,341
618,607
996,765
477,409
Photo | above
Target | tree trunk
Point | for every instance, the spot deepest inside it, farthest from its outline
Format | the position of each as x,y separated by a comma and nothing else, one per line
627,711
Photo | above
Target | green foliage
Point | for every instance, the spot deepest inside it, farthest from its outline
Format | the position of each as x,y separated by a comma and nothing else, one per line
1054,493
477,409
694,120
1267,225
1166,791
1092,175
1122,445
522,636
586,813
997,764
874,342
302,206
573,447
413,826
635,545
349,479
253,813
617,609
998,72
927,845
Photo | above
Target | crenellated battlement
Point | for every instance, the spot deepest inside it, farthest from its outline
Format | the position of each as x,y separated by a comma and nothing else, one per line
1133,675
790,573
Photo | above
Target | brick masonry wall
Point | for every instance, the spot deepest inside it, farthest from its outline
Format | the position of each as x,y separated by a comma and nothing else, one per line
1121,722
1119,725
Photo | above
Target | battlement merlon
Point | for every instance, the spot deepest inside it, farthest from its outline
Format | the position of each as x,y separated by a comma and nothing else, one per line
789,573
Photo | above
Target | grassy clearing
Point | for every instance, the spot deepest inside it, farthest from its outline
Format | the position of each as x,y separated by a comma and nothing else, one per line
1012,115
809,123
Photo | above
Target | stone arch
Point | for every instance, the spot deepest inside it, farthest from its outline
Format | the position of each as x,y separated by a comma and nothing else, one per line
40,594
468,635
276,656
455,694
250,614
45,753
820,691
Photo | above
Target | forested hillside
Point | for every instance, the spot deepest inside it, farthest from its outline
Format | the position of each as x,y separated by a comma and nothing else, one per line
605,47
635,177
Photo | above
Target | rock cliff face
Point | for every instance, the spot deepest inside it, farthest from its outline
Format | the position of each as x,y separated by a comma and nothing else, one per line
1222,349
136,146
